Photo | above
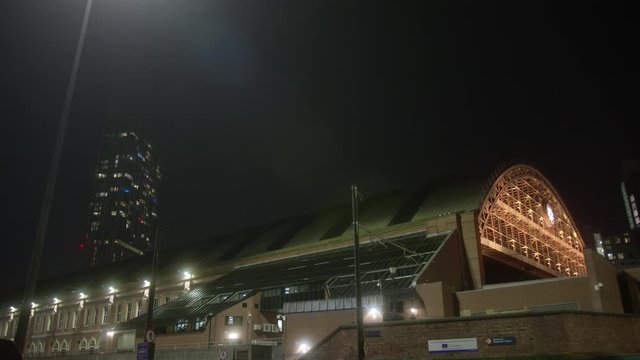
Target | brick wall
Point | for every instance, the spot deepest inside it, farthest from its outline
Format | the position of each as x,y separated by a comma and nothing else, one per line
542,333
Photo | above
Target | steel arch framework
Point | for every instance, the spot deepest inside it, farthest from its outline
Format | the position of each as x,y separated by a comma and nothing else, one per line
524,223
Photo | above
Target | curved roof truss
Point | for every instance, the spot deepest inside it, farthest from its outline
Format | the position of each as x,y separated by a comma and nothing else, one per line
524,223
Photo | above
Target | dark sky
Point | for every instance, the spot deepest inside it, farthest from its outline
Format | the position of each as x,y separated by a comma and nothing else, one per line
263,109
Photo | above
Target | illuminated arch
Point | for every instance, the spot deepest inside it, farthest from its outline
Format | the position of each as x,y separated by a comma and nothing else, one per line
56,346
83,345
524,223
93,344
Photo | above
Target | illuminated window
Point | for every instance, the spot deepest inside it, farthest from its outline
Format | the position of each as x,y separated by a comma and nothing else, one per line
101,175
105,313
114,213
181,325
128,312
200,323
620,256
101,194
230,320
114,188
128,176
86,317
139,308
118,313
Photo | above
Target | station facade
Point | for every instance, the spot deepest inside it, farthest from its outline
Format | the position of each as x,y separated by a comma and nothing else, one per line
452,251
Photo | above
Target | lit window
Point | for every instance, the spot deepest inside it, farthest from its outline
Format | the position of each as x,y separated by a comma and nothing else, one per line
114,188
181,325
128,176
101,194
101,175
620,256
105,313
114,213
200,323
233,320
118,313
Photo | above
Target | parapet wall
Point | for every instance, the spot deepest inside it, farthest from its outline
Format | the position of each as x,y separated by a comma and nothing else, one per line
578,333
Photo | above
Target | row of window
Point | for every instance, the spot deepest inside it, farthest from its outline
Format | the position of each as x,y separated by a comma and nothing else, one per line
64,346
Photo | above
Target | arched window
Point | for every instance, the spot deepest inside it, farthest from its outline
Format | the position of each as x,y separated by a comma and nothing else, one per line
524,222
39,347
65,346
32,348
83,345
55,347
93,344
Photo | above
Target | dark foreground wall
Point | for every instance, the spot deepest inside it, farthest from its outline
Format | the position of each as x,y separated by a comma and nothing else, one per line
568,333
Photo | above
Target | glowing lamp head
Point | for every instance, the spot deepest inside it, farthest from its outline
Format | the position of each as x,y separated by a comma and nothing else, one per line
146,283
112,289
187,275
233,336
303,348
110,333
374,314
413,311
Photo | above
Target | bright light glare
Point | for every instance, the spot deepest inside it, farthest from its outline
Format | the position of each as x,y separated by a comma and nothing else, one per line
146,283
374,313
233,336
110,333
112,289
34,305
12,309
56,300
187,275
83,295
414,311
303,348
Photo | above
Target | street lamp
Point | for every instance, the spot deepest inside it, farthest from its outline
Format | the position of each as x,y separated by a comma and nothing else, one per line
34,268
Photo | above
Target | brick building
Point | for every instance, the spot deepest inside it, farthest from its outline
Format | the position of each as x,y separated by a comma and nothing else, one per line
456,260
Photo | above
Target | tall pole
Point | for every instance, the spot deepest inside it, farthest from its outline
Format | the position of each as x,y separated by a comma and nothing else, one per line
36,255
356,264
152,284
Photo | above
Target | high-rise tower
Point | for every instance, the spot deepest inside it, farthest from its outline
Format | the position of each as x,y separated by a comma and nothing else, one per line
123,210
630,187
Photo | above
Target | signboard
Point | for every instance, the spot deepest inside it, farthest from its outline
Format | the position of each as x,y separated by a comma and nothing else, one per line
450,345
223,355
501,340
373,333
145,351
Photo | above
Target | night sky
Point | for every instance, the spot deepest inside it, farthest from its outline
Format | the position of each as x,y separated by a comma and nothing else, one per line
263,109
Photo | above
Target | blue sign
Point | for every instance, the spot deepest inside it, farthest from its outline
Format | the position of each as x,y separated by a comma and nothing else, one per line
501,340
451,345
145,351
373,333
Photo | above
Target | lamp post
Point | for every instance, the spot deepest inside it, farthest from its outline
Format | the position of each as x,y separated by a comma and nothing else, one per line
36,255
356,263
